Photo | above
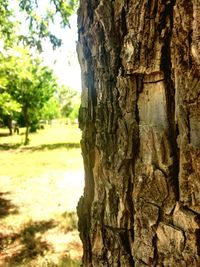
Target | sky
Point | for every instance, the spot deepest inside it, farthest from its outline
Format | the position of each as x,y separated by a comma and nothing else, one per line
64,60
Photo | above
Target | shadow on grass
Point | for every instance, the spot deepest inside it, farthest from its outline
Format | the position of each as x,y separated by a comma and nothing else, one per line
7,146
6,206
54,146
4,134
70,220
27,244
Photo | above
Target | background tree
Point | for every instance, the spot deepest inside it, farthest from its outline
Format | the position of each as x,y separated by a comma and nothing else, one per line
67,98
38,16
51,109
6,23
30,84
73,115
64,103
9,107
140,118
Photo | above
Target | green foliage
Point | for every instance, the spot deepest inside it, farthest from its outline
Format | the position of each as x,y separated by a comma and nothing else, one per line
26,85
51,109
64,103
40,18
8,106
29,82
65,9
69,102
76,105
6,25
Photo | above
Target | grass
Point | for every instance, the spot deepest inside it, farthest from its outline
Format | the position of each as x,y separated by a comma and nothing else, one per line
40,186
52,134
55,148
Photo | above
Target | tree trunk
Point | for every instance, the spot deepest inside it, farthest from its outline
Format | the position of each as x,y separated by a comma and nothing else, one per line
8,122
140,118
27,125
26,141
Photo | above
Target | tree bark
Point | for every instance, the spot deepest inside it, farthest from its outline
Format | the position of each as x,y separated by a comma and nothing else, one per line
140,117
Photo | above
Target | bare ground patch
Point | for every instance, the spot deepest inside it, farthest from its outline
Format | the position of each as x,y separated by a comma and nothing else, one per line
39,189
38,219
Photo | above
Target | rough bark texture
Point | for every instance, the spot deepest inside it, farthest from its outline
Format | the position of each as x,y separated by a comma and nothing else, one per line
140,117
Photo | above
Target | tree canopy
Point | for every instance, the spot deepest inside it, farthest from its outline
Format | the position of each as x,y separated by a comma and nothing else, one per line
38,16
26,85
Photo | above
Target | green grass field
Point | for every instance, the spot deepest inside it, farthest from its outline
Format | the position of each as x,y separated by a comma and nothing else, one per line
56,147
40,187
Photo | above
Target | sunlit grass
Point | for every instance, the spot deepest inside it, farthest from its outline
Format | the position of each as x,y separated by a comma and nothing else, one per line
33,163
54,148
40,186
51,134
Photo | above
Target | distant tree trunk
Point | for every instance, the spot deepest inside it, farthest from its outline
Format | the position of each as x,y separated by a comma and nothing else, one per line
140,116
10,125
7,119
27,125
26,141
